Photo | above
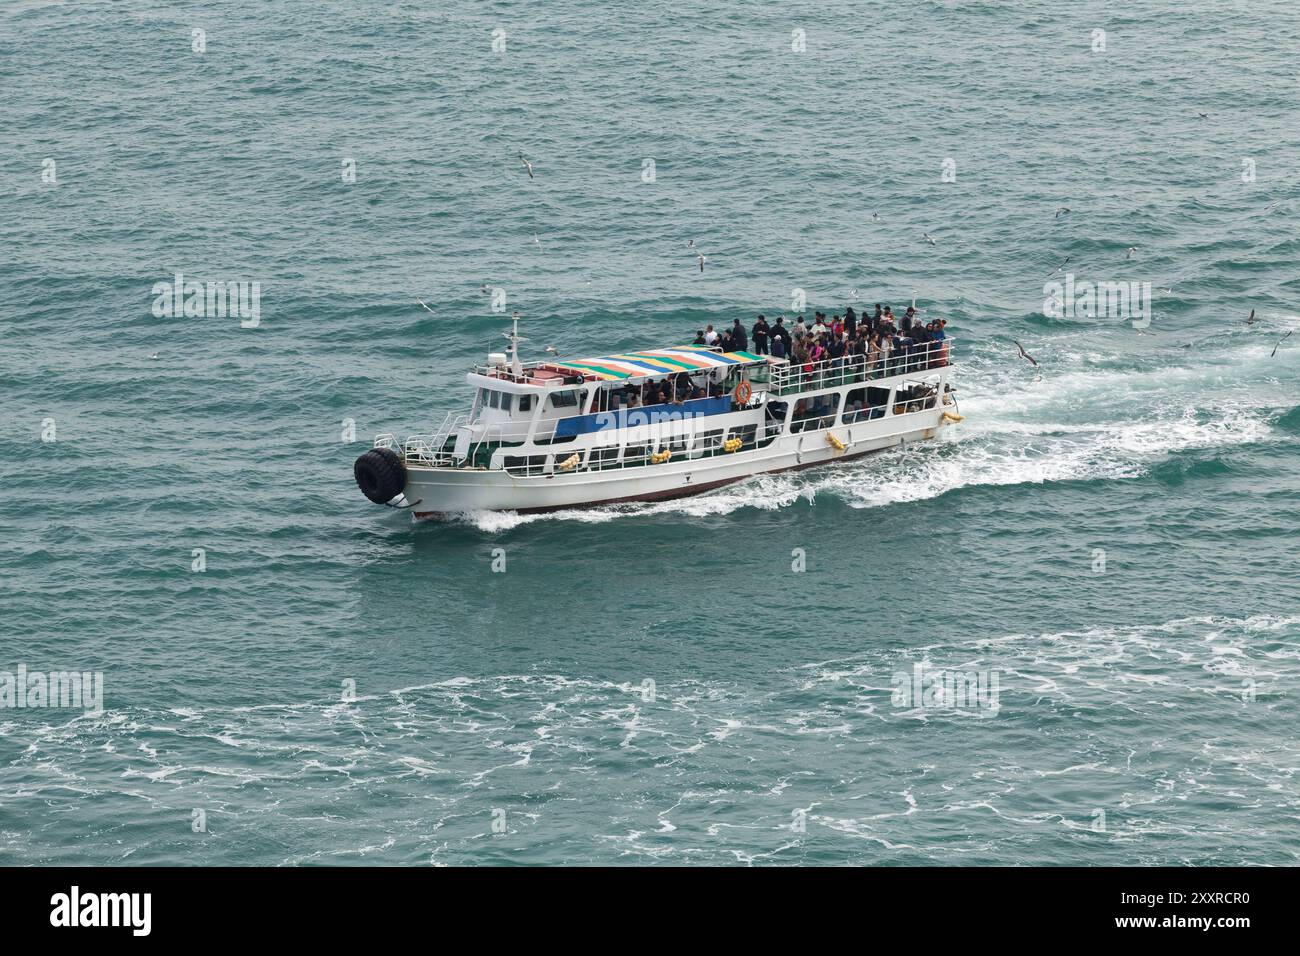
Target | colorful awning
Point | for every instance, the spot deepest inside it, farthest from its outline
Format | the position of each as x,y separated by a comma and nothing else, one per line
653,362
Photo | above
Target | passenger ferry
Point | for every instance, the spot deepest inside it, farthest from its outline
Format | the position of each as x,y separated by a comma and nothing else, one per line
651,425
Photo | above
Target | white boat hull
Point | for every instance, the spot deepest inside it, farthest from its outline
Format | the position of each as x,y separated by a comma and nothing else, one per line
433,492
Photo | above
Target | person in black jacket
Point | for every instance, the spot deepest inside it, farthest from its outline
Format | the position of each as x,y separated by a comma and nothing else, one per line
780,331
760,336
739,338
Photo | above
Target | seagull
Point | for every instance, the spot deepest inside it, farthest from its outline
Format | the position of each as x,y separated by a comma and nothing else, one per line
875,217
1026,355
1280,341
928,238
1061,211
426,308
1060,267
527,165
552,350
1128,253
485,290
537,242
1202,115
1251,320
690,244
155,354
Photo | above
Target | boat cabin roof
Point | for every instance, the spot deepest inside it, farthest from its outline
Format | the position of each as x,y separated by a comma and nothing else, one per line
650,363
656,362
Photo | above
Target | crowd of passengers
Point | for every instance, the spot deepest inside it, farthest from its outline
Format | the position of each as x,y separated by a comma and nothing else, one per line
873,345
866,346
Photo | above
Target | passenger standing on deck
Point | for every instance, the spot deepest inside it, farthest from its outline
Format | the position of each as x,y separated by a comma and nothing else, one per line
710,336
760,336
778,345
783,334
739,340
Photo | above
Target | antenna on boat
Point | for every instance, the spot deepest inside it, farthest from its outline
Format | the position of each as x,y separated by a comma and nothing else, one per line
516,367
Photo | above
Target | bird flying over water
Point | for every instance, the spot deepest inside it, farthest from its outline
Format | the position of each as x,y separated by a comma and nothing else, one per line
1023,354
690,244
1279,342
928,238
1060,267
1128,253
527,165
1061,211
1251,320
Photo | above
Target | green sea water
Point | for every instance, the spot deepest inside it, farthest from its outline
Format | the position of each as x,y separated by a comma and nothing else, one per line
1111,536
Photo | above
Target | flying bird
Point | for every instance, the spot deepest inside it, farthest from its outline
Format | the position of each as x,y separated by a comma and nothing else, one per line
1128,253
1279,342
1023,354
690,244
1251,320
1061,211
1060,267
928,238
875,217
552,350
425,307
527,165
1202,115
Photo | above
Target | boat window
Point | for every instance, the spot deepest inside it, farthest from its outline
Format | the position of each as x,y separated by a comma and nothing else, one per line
746,435
599,457
709,440
913,398
525,403
815,411
506,401
567,399
493,399
863,404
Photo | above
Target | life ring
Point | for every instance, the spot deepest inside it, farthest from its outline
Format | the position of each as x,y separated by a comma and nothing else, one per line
834,442
743,392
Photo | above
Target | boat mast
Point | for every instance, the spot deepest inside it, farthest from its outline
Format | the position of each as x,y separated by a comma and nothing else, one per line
516,367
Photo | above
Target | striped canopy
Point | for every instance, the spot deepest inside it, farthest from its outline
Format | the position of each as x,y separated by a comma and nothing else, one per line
652,362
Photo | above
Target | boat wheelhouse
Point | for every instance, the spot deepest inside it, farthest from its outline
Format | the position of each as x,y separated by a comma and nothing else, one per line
653,424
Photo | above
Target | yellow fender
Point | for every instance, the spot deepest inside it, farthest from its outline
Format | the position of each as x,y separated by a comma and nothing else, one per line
569,463
732,444
952,417
660,457
834,442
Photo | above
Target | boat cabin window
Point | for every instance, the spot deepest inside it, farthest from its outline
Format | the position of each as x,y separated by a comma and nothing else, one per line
501,400
566,399
815,411
864,404
525,403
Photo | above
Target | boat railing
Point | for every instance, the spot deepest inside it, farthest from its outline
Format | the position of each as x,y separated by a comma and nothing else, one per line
851,369
429,449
